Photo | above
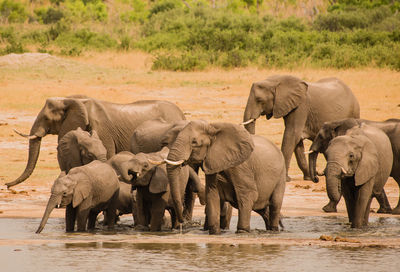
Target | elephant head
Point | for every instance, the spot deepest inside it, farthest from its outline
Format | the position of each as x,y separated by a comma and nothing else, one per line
217,146
143,170
352,158
275,96
320,143
58,116
79,147
67,188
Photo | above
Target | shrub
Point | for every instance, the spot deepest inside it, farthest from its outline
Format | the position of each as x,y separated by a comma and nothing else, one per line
12,12
182,62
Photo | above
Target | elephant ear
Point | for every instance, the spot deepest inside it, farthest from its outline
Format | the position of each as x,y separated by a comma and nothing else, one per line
368,165
82,191
159,181
172,133
76,115
289,94
230,146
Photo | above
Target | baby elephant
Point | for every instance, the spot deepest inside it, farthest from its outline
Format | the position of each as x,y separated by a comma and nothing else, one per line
84,192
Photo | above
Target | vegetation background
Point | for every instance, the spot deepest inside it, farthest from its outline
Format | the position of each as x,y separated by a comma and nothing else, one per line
188,35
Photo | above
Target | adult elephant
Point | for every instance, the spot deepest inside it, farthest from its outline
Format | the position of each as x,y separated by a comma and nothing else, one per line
358,165
114,123
304,106
252,166
333,129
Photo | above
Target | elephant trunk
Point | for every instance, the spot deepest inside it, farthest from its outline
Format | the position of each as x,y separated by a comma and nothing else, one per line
174,182
252,111
34,150
54,200
333,182
312,158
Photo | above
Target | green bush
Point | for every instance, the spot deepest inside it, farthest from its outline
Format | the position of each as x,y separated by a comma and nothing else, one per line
182,62
49,15
12,12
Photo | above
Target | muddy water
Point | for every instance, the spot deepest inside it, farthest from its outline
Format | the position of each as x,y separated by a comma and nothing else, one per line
194,250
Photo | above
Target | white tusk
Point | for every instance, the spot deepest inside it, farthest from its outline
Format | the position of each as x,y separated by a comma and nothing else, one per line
344,171
174,162
30,137
308,152
156,162
248,122
137,175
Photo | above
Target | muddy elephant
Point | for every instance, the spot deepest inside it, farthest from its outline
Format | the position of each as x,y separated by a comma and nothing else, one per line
358,165
333,129
84,192
149,177
253,167
79,147
114,123
304,107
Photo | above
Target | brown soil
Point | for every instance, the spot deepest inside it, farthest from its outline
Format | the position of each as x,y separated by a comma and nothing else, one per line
213,95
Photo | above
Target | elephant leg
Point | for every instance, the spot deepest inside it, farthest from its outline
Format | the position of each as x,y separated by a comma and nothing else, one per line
301,160
112,211
92,220
82,218
157,214
134,209
366,214
188,205
384,205
142,212
294,125
396,210
226,215
275,207
70,216
348,190
212,204
363,196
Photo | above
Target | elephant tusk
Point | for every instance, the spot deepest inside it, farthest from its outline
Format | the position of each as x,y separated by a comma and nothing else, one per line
156,162
248,122
308,152
174,162
30,137
344,171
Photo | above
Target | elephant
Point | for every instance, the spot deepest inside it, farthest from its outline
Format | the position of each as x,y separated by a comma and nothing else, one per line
79,147
253,168
304,106
84,192
358,165
152,136
145,173
114,123
336,128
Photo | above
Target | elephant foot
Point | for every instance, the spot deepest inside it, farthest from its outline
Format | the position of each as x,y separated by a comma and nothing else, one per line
330,207
141,228
396,210
214,231
385,210
307,178
242,231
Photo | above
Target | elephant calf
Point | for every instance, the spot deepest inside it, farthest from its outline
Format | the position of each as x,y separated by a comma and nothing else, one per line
84,192
145,173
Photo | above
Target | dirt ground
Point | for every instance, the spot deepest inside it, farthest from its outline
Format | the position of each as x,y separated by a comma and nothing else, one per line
214,95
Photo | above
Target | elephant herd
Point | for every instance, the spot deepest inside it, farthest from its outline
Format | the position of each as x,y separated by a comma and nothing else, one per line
143,158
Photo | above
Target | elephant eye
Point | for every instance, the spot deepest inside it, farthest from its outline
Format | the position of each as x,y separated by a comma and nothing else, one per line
146,165
351,156
195,142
